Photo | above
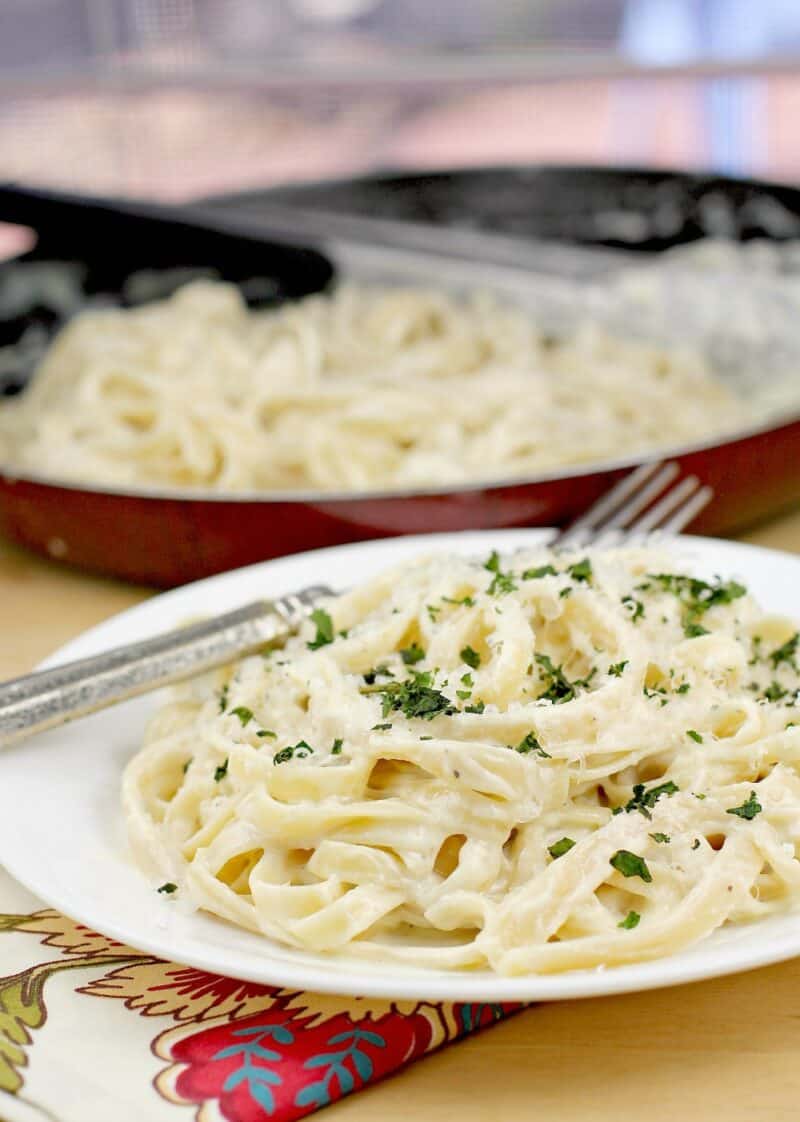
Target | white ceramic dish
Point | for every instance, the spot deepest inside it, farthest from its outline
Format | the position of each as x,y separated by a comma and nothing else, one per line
62,835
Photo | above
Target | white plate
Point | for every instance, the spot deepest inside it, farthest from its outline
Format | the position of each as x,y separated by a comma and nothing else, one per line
62,835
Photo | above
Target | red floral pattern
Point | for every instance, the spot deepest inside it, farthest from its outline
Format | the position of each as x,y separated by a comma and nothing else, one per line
236,1051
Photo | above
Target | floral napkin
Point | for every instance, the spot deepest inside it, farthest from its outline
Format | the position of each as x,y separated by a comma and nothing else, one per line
166,1035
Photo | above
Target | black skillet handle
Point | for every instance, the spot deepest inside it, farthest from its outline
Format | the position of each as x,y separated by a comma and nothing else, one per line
118,237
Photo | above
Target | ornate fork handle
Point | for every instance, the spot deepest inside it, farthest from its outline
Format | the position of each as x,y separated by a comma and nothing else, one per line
52,697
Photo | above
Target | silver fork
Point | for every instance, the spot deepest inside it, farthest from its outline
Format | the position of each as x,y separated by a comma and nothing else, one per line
643,503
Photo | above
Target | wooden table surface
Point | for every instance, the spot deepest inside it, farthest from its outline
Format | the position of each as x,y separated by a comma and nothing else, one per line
724,1049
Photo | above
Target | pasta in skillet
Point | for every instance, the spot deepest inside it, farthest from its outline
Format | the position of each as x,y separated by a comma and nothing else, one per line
535,763
358,390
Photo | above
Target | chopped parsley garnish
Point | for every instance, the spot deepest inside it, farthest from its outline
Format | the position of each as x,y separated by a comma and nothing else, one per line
684,687
324,625
470,657
415,697
749,808
581,570
168,888
644,801
774,692
695,736
293,751
502,583
267,732
412,655
630,865
662,839
635,607
559,688
616,668
559,848
467,680
477,707
697,596
221,771
631,920
336,747
187,765
786,653
530,743
537,574
695,630
467,601
381,728
464,695
223,698
433,611
244,714
564,593
377,672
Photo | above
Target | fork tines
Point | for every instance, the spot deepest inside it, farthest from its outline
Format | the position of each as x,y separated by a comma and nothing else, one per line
647,501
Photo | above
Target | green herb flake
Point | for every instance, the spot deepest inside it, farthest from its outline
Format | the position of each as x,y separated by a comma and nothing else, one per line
381,728
695,631
530,743
221,771
537,574
336,747
223,698
324,624
467,601
293,751
168,888
774,692
412,655
634,607
377,672
630,865
684,687
502,583
631,920
470,657
565,593
559,848
697,597
581,570
464,695
559,688
644,801
749,808
786,652
187,765
433,611
267,732
616,668
244,714
662,839
415,697
477,707
694,735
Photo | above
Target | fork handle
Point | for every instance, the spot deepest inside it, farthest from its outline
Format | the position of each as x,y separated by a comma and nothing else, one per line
52,697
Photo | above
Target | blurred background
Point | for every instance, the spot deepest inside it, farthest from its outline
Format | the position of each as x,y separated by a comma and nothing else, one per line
174,98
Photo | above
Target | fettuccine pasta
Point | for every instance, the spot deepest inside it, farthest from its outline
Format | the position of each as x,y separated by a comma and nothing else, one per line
534,764
355,391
